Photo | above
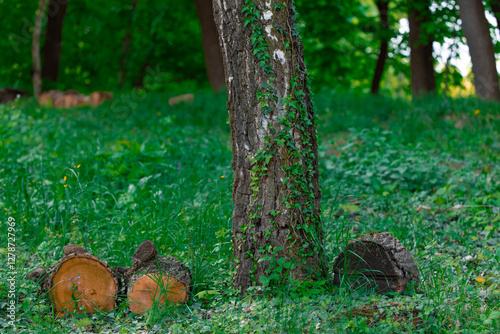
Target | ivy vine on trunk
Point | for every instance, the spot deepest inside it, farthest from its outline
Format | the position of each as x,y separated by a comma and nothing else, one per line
276,220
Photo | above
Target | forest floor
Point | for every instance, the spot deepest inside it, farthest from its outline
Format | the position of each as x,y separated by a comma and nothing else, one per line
111,177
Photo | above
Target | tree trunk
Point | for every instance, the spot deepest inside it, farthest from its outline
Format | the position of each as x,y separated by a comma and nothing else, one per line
421,60
126,46
383,8
139,81
211,48
52,48
35,49
477,32
276,226
495,8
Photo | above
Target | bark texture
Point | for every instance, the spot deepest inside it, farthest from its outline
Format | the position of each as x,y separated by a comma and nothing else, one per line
35,49
211,48
51,50
276,228
376,260
421,61
477,32
383,8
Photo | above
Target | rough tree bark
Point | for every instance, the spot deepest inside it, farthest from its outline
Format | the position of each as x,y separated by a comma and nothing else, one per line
421,61
211,49
35,49
477,32
51,50
383,8
276,226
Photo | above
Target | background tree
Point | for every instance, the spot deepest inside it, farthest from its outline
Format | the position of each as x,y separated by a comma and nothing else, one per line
166,35
421,60
276,227
341,44
51,49
210,38
383,9
476,31
126,40
495,8
35,49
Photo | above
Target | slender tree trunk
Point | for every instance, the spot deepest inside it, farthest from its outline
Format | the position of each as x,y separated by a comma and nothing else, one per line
276,227
52,48
495,8
477,32
421,61
35,49
126,46
211,48
383,9
446,76
139,81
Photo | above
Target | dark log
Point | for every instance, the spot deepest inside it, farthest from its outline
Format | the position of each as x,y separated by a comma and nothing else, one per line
376,260
10,94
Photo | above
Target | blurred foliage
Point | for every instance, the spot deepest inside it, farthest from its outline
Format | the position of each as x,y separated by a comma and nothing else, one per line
341,44
92,42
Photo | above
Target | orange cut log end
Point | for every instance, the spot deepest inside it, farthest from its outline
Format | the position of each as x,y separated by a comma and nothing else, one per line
150,288
82,283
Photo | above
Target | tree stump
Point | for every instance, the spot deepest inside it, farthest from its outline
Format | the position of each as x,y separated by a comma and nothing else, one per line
376,260
155,279
78,282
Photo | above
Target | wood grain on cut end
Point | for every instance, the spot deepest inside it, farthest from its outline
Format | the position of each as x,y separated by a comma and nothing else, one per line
82,281
155,287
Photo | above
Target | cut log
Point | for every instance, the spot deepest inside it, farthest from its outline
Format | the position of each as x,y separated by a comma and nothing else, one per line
10,94
96,98
186,98
155,279
71,98
376,260
78,282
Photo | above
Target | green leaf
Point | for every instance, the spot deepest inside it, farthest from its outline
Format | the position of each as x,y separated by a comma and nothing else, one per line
264,280
440,201
81,323
205,294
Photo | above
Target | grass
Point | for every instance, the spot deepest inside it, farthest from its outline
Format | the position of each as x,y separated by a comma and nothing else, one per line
111,177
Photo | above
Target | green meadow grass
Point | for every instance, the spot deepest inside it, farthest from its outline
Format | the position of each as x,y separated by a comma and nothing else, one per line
137,169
